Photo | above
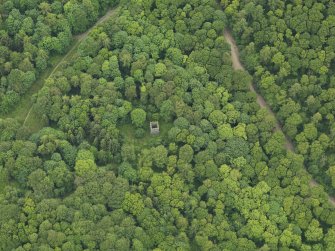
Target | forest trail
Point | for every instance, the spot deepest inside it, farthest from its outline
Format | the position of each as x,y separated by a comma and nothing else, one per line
260,100
235,57
78,39
109,13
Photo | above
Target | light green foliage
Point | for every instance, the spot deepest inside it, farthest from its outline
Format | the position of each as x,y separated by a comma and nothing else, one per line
239,131
138,117
160,69
45,30
159,156
314,232
186,153
85,164
133,203
225,131
217,176
291,67
217,117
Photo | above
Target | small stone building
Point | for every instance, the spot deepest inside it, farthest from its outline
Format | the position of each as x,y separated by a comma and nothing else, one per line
154,127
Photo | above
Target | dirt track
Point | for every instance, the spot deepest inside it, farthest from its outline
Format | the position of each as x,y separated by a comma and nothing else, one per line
100,21
79,38
260,100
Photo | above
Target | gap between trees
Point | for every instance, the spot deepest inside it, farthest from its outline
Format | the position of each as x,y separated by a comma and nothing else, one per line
28,109
260,100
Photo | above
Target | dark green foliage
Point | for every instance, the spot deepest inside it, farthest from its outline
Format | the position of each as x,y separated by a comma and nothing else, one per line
216,177
236,147
289,48
32,32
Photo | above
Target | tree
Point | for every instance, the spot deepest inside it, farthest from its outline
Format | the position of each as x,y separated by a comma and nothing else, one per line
138,117
175,55
159,156
331,173
236,147
166,110
217,117
160,69
133,203
112,190
85,165
77,16
55,239
128,152
23,167
115,192
314,232
61,177
41,184
186,153
225,131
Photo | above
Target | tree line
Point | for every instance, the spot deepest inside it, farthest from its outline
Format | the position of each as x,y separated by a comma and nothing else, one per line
31,33
289,48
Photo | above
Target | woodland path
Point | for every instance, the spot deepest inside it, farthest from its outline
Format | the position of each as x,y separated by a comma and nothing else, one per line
235,57
78,39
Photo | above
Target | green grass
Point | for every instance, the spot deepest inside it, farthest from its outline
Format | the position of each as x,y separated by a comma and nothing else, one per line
128,132
23,111
20,112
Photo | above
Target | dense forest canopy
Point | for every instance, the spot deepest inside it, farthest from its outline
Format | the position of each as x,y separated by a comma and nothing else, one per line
31,32
217,177
289,46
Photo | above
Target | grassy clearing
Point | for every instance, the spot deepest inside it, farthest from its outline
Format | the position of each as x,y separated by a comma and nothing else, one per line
31,119
23,112
128,132
22,109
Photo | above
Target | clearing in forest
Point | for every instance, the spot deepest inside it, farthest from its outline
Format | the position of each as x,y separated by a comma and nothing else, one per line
24,111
